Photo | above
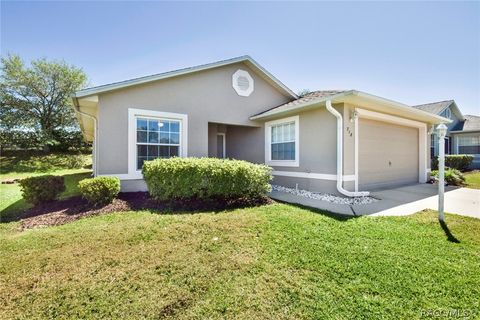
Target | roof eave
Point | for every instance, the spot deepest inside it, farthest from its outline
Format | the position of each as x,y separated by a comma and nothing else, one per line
310,103
465,131
403,107
341,98
127,83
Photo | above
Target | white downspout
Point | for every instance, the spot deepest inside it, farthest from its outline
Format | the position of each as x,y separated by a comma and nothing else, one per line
94,162
340,155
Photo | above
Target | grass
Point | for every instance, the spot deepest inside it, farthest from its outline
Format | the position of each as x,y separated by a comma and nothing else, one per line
473,179
73,167
24,164
272,262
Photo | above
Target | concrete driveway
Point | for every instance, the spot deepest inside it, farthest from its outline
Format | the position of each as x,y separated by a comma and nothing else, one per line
410,199
399,201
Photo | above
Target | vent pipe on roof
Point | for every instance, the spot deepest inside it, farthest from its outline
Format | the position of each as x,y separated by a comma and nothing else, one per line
340,155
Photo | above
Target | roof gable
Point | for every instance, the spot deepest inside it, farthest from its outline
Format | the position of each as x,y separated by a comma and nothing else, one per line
136,81
434,107
438,107
471,123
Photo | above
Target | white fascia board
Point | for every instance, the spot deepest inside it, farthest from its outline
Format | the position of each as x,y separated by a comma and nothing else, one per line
170,74
464,131
341,98
400,106
281,111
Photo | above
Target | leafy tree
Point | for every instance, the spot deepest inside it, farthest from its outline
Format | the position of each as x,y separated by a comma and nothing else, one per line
303,92
37,97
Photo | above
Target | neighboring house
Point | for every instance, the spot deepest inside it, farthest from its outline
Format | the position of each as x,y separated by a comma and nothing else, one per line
328,141
463,135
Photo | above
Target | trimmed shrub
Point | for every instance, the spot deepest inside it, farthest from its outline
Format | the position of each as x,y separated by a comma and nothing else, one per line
40,189
178,178
453,177
100,190
460,162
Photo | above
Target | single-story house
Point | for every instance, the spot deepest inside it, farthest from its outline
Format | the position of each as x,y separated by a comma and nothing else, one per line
463,135
344,142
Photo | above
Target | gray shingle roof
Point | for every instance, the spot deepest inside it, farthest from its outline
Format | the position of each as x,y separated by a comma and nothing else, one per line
434,107
309,97
471,123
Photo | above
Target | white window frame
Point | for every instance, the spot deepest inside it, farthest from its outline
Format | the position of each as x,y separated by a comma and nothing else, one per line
133,114
268,141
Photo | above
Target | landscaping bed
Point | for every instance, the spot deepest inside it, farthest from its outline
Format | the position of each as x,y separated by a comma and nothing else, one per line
63,211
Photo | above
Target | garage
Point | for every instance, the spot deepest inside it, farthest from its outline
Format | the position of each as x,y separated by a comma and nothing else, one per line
387,154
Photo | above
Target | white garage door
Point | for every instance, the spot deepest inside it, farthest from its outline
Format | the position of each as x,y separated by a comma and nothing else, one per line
387,155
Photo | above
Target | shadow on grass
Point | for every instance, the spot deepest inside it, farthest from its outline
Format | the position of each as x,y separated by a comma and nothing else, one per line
448,233
16,210
66,209
333,215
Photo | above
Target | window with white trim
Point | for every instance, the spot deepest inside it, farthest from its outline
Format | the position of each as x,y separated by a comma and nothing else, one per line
281,143
469,145
156,138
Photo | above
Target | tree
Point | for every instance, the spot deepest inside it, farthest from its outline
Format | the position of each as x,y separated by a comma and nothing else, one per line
38,97
303,92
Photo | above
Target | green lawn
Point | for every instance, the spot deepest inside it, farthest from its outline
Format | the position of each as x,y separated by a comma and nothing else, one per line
271,262
473,179
22,166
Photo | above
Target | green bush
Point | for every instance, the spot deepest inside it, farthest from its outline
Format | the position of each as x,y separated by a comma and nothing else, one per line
99,190
453,177
178,178
40,189
457,161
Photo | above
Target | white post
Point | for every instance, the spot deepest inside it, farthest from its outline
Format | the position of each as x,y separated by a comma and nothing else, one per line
441,130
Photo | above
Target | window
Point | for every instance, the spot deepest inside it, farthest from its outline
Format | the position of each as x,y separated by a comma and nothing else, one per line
447,113
469,145
281,142
157,138
154,134
433,145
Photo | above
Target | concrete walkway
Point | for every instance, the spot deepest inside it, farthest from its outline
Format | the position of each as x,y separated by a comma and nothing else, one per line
399,201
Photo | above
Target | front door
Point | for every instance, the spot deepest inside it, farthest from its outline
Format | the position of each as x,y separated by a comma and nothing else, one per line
221,152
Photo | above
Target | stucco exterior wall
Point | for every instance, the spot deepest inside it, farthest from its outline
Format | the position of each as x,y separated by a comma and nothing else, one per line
206,96
245,143
317,142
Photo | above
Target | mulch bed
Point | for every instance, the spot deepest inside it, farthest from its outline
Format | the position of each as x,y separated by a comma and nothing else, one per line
63,211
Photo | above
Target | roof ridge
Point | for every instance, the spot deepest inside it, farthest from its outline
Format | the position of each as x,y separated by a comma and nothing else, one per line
424,104
240,58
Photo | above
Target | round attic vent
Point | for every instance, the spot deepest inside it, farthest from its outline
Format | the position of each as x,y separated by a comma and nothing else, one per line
242,82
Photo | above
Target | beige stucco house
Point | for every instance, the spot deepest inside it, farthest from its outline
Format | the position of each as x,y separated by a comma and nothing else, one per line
346,142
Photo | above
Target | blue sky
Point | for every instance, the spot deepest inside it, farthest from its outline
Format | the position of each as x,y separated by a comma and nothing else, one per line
412,52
